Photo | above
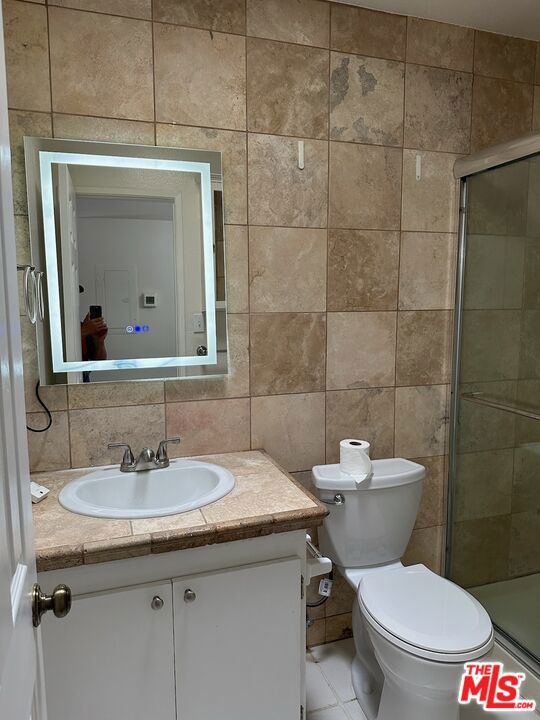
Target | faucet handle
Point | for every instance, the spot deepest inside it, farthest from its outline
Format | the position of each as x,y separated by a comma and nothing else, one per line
161,455
129,458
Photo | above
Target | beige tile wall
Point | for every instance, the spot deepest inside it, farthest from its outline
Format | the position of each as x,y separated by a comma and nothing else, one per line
339,276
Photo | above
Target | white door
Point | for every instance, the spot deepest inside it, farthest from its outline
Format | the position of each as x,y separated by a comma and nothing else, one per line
70,265
112,657
19,643
238,645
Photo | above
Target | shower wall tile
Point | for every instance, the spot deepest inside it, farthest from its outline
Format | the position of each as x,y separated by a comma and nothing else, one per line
525,529
481,550
529,365
366,32
491,345
200,77
360,413
423,347
437,109
499,200
494,272
306,22
361,350
536,108
531,287
288,353
501,111
427,271
362,270
290,428
429,204
232,145
223,15
484,428
533,200
525,489
287,269
508,58
119,80
279,192
287,89
485,484
27,55
366,100
370,173
439,44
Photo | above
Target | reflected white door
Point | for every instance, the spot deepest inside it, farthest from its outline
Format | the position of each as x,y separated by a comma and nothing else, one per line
70,264
20,677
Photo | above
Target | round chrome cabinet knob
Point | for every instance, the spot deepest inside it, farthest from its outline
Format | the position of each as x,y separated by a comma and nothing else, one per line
157,603
189,596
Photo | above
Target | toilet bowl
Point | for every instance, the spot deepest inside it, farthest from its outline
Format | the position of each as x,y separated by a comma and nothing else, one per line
412,629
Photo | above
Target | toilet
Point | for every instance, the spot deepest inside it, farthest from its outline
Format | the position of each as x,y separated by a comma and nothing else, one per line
412,629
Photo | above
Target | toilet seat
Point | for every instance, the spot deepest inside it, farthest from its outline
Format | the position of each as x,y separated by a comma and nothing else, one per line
425,614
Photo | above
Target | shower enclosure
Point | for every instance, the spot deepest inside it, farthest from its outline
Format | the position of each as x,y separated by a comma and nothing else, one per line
494,493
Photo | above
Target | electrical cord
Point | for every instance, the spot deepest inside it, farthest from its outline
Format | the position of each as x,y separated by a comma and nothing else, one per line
49,416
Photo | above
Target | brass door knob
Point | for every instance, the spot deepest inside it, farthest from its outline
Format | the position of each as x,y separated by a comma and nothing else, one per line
59,602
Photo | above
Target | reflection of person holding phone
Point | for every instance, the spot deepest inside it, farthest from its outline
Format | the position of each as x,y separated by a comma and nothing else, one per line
93,333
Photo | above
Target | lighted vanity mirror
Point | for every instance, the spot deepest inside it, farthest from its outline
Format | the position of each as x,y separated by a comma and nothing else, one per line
130,239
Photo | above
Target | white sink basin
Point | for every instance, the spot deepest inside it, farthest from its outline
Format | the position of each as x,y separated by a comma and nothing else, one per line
184,485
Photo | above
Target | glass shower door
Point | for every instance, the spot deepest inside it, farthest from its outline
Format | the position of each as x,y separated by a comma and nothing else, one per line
494,511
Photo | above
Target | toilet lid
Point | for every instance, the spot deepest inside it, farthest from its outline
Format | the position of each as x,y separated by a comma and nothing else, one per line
425,610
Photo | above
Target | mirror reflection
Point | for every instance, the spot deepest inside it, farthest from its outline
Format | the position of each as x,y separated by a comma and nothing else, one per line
133,253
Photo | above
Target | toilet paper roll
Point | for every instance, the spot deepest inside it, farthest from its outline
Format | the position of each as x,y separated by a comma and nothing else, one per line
354,458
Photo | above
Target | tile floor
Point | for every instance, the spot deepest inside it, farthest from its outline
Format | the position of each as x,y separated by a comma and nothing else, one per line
330,694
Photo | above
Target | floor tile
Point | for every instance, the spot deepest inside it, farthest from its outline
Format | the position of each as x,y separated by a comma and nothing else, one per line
333,713
354,711
335,662
319,694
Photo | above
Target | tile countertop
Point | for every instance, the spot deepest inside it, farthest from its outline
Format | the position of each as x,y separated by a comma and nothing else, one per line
265,500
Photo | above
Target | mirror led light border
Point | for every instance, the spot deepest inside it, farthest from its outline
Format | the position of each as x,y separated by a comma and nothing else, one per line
46,161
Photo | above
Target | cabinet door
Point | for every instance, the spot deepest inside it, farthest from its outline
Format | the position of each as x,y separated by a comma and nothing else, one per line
237,640
112,657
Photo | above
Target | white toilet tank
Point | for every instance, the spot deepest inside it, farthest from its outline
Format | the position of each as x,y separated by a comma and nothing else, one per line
373,524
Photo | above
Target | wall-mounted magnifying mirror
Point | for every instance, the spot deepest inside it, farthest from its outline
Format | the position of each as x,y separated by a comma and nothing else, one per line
128,238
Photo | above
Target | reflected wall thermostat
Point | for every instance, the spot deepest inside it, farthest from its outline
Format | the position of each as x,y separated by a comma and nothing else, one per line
149,300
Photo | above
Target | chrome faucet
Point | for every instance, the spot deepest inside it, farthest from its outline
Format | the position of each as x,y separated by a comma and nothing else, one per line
147,460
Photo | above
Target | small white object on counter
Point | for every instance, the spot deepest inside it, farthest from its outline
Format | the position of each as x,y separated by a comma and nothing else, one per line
354,459
38,492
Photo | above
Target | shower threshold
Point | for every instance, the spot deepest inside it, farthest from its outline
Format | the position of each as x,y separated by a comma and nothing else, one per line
513,606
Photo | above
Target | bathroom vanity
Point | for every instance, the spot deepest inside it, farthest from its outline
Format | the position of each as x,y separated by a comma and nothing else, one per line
195,616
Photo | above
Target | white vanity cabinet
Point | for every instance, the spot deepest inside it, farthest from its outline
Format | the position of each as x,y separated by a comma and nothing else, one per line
237,641
225,644
112,657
